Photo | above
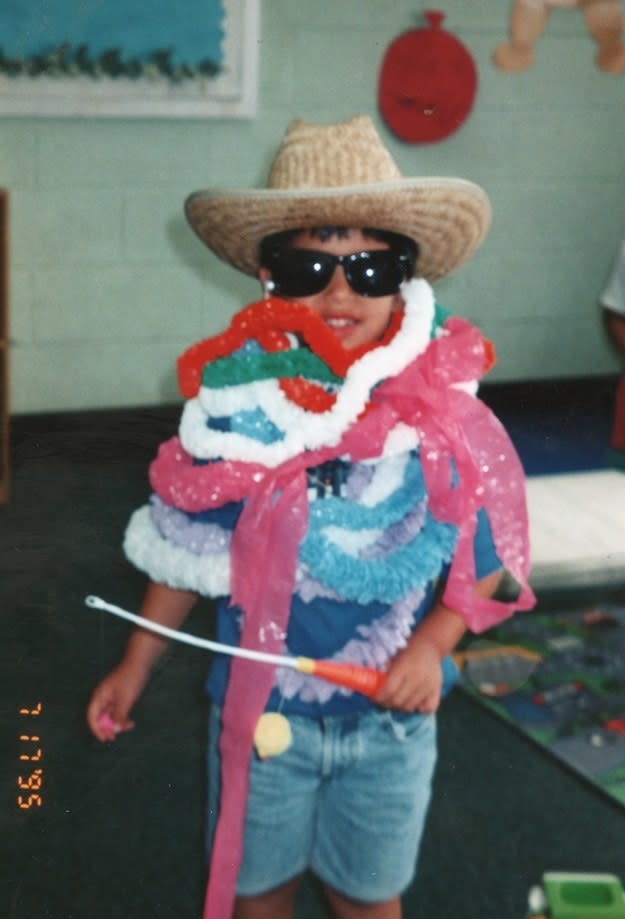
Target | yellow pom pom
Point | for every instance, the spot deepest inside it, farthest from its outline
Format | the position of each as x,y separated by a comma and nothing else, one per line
272,735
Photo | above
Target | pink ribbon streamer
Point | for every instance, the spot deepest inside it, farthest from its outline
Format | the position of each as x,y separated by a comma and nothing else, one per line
263,580
455,426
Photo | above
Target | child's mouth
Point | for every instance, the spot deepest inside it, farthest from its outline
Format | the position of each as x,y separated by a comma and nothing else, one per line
341,325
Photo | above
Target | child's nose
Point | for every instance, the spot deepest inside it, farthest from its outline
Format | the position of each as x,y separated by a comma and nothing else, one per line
339,288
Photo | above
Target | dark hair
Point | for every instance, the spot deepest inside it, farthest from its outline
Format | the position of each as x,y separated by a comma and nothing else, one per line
273,245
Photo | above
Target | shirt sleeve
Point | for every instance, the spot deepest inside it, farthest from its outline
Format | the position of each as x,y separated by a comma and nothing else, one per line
486,559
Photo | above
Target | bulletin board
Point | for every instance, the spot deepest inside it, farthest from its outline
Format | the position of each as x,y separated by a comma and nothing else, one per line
182,59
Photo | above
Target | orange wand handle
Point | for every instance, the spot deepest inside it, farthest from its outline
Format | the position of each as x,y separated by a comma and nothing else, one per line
365,680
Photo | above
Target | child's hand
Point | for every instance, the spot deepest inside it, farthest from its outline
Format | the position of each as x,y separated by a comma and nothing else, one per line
414,678
111,702
113,698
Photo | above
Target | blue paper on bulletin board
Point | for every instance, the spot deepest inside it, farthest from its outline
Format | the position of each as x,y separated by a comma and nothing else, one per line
190,31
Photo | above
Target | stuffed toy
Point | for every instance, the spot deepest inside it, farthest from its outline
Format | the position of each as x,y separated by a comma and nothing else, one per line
603,18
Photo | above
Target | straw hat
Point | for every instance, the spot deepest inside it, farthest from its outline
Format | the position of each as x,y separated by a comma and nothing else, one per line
342,175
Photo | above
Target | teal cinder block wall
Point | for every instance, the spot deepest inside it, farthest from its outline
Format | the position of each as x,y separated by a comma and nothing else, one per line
108,284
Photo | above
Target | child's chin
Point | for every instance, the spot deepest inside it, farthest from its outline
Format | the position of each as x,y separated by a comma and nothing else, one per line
345,335
348,342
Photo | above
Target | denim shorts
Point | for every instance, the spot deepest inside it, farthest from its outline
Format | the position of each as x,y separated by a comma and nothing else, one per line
347,800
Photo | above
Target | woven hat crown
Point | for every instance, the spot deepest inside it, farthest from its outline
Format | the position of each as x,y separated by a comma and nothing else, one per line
332,156
343,175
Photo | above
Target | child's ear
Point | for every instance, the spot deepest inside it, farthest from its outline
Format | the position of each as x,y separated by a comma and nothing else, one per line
264,276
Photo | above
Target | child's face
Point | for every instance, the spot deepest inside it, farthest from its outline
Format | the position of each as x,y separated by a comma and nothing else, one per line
356,320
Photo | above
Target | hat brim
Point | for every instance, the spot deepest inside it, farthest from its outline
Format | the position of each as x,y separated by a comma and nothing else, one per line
447,217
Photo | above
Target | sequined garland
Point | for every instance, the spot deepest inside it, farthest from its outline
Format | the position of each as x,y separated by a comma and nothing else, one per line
271,433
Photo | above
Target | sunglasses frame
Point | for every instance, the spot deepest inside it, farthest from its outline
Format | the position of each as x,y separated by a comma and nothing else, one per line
328,262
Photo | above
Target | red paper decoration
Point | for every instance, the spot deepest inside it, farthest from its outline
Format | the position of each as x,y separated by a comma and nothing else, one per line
427,83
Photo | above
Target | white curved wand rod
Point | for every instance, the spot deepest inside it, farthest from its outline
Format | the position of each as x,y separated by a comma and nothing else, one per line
205,643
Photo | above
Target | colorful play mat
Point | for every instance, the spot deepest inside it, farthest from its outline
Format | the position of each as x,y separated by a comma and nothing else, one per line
559,676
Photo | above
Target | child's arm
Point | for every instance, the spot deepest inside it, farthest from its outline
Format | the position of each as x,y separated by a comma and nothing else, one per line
113,698
615,324
414,681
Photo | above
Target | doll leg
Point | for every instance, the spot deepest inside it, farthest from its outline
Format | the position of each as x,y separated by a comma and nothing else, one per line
527,22
604,20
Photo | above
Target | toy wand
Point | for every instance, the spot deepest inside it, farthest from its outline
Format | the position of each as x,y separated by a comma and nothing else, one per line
365,680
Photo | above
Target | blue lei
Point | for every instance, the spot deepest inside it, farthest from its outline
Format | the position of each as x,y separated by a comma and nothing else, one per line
389,577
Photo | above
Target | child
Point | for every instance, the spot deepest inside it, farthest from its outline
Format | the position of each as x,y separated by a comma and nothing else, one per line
337,484
613,303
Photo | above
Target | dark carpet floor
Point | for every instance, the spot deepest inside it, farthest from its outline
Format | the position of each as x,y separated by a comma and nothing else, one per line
118,833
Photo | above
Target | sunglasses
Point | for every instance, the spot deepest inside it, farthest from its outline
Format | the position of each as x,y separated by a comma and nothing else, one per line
304,272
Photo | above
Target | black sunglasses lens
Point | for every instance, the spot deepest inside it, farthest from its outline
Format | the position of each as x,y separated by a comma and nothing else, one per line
305,272
301,272
375,274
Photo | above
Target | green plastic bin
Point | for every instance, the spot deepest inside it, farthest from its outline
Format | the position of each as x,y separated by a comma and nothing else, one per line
572,895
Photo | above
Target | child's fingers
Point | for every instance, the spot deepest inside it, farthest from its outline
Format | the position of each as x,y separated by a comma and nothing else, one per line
106,717
111,727
107,728
409,695
120,720
103,727
430,703
397,695
97,705
400,690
